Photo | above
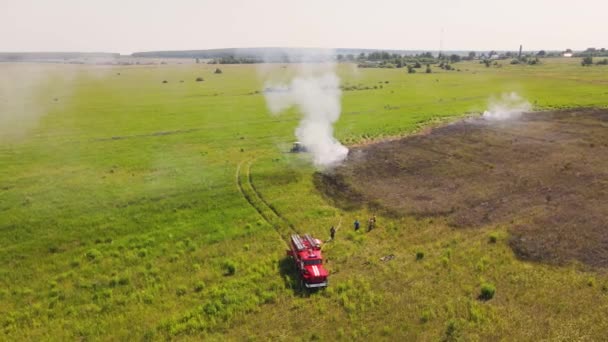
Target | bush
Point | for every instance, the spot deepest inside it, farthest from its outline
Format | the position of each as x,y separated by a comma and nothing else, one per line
199,79
426,315
93,254
230,268
181,291
428,68
487,291
419,255
451,331
165,81
198,287
587,61
217,71
493,238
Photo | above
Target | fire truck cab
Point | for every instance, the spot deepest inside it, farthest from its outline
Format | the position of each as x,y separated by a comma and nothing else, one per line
306,253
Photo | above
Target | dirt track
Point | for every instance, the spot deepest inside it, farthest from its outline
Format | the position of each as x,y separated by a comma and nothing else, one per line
544,175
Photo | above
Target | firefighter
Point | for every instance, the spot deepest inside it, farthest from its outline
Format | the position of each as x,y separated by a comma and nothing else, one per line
370,224
332,232
357,225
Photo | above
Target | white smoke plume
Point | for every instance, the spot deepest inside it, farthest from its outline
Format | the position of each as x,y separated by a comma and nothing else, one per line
508,106
314,90
28,92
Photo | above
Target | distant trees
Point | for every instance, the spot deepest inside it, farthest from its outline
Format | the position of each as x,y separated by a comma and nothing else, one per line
541,53
593,52
472,55
587,61
236,60
378,55
455,58
602,62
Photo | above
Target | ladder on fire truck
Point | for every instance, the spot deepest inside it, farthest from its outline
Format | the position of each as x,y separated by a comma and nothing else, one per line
301,242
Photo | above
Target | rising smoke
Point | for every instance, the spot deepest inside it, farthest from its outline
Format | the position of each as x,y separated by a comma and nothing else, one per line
28,92
314,90
507,107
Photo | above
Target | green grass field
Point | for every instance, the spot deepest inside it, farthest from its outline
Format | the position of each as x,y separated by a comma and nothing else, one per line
121,217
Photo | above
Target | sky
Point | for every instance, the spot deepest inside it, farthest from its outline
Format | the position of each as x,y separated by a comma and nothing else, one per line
127,26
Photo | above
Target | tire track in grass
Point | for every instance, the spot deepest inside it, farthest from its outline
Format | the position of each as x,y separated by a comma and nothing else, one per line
245,185
270,206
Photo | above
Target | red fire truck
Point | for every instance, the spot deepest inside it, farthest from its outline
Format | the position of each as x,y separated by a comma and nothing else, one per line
306,253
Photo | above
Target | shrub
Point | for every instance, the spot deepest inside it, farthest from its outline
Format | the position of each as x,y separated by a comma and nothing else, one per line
426,315
93,254
180,291
419,255
493,238
199,79
198,287
217,71
451,331
230,268
587,61
487,291
165,81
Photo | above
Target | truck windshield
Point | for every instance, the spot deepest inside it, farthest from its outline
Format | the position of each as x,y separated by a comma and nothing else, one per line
313,262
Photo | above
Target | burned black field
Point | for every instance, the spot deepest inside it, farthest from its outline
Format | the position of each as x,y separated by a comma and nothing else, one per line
543,175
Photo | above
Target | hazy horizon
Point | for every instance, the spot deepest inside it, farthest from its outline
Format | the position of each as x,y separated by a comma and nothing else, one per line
115,26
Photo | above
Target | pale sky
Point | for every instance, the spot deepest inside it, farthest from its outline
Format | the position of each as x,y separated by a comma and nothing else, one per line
127,26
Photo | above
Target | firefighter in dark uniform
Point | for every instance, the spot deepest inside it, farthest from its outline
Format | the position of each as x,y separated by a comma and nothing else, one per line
332,232
357,225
